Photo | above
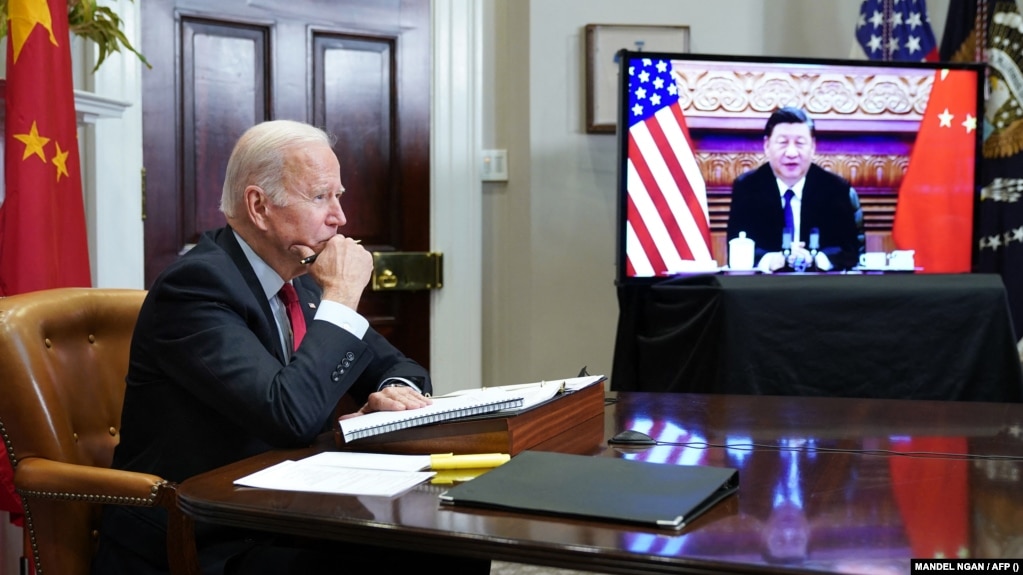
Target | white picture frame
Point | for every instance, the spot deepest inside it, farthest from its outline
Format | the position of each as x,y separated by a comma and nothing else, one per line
603,41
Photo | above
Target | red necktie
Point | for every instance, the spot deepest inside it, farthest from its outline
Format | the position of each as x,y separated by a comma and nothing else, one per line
289,296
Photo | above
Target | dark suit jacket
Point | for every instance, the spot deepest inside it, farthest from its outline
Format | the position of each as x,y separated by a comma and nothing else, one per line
208,384
756,209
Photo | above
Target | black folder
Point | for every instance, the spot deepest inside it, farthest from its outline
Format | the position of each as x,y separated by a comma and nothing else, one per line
652,494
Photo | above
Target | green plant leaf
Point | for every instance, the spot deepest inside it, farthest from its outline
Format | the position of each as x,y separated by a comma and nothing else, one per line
97,23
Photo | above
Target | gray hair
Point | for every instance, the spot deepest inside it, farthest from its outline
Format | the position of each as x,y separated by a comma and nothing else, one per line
259,159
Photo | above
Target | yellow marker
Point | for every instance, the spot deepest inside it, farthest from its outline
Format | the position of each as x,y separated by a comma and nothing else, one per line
453,476
470,461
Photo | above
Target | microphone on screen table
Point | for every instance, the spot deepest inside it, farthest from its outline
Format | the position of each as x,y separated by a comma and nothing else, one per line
815,246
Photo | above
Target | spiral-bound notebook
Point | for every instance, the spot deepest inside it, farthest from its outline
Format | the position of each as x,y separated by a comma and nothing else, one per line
442,409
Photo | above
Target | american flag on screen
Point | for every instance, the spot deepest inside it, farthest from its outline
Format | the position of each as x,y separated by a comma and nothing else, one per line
896,30
666,217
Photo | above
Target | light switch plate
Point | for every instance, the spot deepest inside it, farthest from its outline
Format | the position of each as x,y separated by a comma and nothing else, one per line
495,166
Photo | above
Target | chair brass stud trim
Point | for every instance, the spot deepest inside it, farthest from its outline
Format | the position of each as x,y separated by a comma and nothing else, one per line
36,560
92,338
7,444
92,498
27,494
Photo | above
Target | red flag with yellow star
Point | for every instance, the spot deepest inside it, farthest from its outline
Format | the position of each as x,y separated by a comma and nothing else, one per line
42,218
934,214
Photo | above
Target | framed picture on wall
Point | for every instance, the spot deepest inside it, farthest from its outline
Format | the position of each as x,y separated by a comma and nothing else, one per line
603,41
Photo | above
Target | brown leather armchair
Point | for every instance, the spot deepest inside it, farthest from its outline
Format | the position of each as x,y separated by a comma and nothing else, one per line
63,360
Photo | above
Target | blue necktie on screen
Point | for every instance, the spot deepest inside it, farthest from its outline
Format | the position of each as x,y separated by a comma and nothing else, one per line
790,220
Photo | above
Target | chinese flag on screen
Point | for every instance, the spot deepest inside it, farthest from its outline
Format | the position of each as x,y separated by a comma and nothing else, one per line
934,214
42,219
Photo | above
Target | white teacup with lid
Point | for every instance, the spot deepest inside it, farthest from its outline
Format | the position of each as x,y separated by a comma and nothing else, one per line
740,252
901,260
874,260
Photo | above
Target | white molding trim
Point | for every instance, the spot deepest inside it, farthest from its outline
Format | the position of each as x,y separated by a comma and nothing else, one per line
456,346
91,107
112,157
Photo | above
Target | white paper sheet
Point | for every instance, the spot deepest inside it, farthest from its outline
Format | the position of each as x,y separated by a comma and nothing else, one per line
554,385
292,475
381,461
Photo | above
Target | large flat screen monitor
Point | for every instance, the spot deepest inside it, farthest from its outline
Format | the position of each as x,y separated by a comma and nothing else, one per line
893,148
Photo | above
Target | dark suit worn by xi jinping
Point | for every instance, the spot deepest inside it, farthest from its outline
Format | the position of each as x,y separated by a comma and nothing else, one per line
756,209
209,384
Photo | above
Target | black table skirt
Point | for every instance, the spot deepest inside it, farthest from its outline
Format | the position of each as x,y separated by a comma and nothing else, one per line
903,336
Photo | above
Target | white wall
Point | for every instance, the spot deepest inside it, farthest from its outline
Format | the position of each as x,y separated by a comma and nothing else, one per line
113,180
549,299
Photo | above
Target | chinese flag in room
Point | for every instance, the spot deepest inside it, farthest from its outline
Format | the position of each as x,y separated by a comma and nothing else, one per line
42,218
934,214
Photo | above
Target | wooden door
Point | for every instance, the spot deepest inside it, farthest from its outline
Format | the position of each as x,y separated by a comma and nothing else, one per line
358,68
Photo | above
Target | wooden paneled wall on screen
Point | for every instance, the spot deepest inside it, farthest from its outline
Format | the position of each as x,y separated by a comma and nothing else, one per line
866,122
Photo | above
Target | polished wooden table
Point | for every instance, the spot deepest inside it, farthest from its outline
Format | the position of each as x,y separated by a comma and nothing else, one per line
833,485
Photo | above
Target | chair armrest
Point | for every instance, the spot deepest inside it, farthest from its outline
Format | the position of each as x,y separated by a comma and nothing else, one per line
44,478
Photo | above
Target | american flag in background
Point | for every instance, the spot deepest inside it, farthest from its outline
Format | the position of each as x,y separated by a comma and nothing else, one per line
896,30
666,219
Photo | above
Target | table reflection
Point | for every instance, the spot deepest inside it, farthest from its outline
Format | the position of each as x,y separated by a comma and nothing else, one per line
994,495
826,484
857,505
